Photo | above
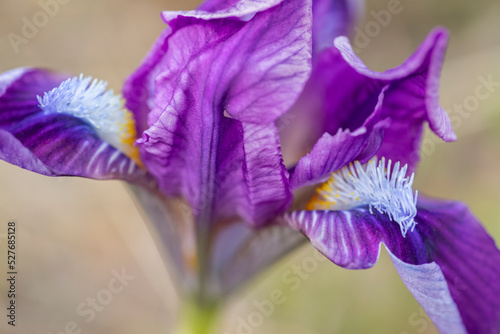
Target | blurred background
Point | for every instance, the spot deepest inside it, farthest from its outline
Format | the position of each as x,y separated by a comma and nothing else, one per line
75,234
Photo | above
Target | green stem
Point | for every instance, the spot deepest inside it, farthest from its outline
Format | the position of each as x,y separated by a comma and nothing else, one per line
196,318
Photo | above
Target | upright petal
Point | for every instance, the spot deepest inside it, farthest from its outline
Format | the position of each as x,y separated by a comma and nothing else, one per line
342,93
449,262
331,153
333,18
413,95
216,5
212,134
216,9
139,88
54,144
260,65
275,63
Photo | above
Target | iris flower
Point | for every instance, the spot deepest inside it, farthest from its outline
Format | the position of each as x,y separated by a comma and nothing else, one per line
199,137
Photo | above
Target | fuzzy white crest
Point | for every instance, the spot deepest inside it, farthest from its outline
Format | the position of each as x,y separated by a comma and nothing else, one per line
388,191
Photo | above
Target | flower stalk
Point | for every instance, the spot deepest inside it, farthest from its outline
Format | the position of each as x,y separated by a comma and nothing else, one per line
198,318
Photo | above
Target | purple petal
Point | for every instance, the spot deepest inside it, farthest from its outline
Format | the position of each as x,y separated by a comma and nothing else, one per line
242,252
333,18
139,89
257,68
263,66
54,144
342,94
428,285
469,259
448,246
212,135
331,153
18,91
351,239
413,95
216,5
216,9
265,173
240,166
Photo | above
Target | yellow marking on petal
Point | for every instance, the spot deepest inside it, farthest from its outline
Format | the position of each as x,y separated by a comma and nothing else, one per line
375,186
191,261
311,205
128,137
318,201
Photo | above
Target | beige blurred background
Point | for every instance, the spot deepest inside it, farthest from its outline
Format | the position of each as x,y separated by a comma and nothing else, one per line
73,233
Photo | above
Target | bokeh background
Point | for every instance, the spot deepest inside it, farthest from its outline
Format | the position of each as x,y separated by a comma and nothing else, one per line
73,233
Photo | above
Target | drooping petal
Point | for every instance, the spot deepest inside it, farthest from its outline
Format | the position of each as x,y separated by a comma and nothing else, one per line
351,239
331,153
333,18
54,144
448,262
342,93
428,285
212,135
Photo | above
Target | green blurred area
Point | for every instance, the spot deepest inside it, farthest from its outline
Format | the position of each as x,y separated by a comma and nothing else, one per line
74,233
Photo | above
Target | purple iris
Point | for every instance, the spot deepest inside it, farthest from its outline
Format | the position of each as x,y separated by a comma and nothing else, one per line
208,162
